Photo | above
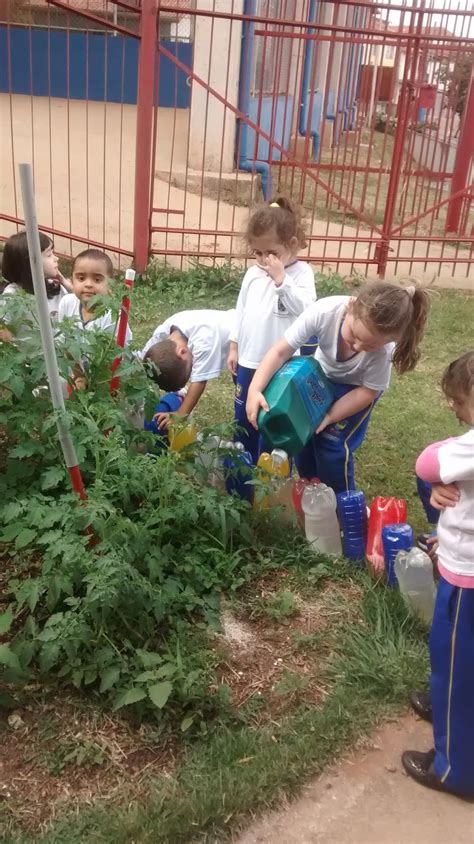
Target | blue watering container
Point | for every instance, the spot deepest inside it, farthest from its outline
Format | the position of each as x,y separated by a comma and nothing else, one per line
395,538
352,514
238,470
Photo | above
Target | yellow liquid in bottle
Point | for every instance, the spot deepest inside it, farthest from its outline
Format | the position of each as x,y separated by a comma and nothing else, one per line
180,437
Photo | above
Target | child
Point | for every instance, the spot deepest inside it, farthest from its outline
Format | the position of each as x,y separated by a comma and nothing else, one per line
359,337
274,292
190,345
91,273
449,466
16,270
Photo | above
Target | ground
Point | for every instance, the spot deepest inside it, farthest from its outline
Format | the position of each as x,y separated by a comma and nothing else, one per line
367,799
312,655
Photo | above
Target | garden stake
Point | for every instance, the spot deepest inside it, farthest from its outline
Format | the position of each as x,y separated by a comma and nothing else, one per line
122,328
46,330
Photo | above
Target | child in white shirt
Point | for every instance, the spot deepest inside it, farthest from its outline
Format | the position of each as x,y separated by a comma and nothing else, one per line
358,338
449,466
189,346
91,274
274,293
16,271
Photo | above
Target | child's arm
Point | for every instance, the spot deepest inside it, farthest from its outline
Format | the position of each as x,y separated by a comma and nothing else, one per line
191,399
233,357
428,468
348,405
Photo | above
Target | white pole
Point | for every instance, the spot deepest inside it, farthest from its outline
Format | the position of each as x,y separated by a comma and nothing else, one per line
47,340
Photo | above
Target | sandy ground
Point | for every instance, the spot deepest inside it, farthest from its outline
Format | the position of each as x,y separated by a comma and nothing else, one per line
83,157
368,799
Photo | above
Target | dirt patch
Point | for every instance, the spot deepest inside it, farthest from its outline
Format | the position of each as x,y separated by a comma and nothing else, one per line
55,756
276,662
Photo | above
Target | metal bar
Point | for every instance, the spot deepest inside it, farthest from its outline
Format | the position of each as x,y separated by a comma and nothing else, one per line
144,132
95,18
46,330
462,165
122,328
69,236
278,21
167,211
265,135
466,190
440,40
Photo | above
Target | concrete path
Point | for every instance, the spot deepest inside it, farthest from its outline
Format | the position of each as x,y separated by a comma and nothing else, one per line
368,799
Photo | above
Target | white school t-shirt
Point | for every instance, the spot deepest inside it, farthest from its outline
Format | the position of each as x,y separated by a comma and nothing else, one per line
208,334
70,308
324,318
265,311
456,524
53,303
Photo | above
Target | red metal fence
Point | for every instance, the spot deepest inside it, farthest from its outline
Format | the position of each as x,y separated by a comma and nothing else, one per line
361,112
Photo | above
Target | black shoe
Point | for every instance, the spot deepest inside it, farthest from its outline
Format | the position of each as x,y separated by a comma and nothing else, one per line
420,767
421,703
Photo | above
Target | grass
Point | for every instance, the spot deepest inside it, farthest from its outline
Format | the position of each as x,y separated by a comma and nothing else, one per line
331,655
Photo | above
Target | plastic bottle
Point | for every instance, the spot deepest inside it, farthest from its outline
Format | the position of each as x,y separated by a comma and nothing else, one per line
298,486
414,572
238,471
320,519
272,469
383,511
180,437
298,396
395,538
352,513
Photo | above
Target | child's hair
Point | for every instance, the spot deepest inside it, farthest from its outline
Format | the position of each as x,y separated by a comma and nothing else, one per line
172,371
397,311
281,215
458,379
16,267
95,255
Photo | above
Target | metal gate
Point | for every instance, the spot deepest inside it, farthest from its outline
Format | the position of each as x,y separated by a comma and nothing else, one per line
361,112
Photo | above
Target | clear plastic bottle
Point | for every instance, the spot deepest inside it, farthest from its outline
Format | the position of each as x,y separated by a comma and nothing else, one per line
414,572
320,519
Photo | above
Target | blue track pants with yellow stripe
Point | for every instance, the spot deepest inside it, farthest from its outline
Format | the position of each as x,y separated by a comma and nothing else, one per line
452,686
329,455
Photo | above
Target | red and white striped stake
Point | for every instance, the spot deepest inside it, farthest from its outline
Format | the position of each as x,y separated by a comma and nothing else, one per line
47,339
122,328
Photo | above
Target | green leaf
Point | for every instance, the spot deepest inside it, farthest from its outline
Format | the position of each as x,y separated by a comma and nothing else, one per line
148,658
11,532
52,477
129,696
109,678
11,511
24,538
187,722
7,657
160,692
6,619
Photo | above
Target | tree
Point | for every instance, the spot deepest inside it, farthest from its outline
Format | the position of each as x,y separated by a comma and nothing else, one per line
456,78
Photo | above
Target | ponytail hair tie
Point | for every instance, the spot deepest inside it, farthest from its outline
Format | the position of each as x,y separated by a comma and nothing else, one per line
411,290
274,205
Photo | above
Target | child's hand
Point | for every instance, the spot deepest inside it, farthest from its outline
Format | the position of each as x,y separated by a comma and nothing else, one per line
444,495
66,282
275,268
232,361
324,424
162,420
255,401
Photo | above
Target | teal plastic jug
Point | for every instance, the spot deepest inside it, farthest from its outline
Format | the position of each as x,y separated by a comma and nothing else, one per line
299,395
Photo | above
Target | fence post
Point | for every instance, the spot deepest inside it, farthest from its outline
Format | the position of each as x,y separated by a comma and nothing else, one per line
144,152
462,165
